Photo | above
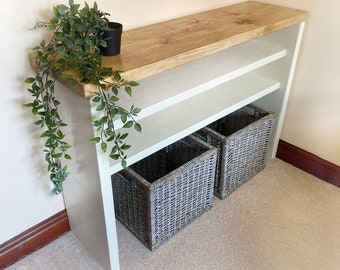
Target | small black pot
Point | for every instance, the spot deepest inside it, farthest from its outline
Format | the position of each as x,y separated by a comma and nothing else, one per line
112,35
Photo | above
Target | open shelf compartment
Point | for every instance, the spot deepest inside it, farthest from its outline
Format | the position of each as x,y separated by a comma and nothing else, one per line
177,121
173,86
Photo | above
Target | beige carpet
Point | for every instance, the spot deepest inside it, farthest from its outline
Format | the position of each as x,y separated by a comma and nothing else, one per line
281,219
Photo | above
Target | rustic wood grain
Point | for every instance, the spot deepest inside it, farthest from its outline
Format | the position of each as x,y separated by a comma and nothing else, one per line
151,49
157,47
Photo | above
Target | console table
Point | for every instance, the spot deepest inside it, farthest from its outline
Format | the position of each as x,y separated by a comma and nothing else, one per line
192,71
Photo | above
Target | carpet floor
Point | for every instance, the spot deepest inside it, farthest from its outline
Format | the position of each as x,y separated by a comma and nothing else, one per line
281,219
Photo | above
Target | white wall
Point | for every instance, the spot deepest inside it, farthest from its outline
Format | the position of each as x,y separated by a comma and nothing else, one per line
25,199
24,192
313,114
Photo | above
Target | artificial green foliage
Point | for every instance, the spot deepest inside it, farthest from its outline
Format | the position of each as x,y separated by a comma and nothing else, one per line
74,46
106,101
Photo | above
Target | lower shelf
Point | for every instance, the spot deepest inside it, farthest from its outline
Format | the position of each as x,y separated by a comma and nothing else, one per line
175,122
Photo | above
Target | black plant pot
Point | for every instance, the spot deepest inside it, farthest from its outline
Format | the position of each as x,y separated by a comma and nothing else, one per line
112,35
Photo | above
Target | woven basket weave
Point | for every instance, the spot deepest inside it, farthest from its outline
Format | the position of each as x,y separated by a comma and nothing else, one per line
161,194
241,139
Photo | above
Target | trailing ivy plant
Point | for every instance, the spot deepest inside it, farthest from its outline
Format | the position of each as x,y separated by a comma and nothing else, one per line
74,46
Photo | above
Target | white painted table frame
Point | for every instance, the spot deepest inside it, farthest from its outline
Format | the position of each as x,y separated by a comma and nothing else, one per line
181,101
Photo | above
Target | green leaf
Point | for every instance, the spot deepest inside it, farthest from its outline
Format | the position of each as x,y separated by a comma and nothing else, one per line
103,43
111,138
103,120
52,23
66,146
115,89
42,43
28,105
115,156
123,163
101,106
96,99
110,125
125,147
106,71
34,111
60,134
96,123
103,146
70,44
123,136
45,134
30,80
114,99
56,102
67,77
39,122
128,124
66,156
133,83
62,9
138,127
128,90
136,111
63,54
95,139
58,155
117,77
123,118
114,150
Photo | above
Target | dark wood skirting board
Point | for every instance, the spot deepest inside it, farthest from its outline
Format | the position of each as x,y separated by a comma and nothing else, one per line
53,227
33,238
308,162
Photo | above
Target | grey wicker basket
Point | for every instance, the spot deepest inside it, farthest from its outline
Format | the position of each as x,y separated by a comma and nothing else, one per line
241,139
161,194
